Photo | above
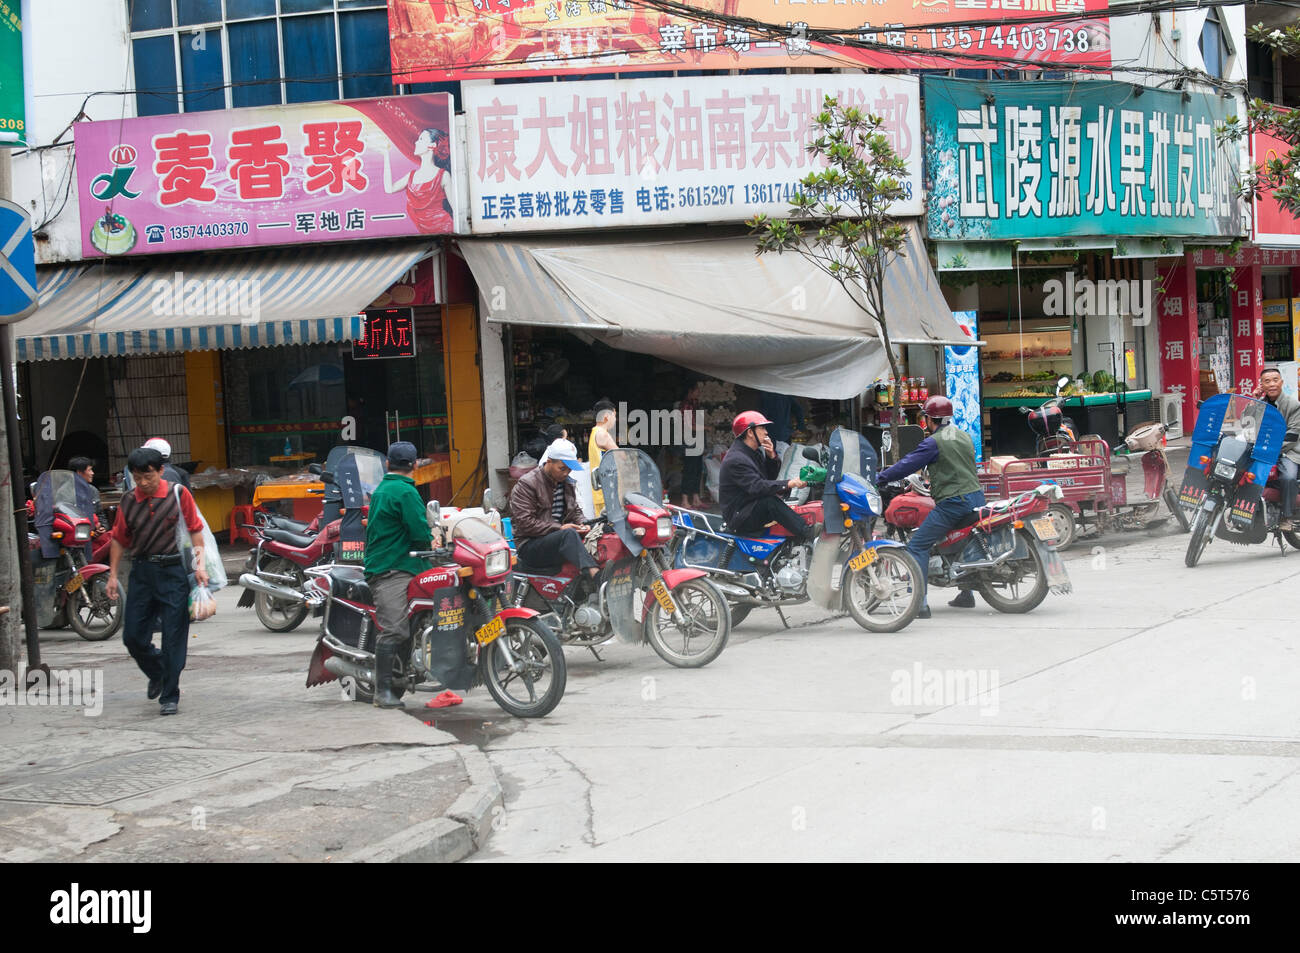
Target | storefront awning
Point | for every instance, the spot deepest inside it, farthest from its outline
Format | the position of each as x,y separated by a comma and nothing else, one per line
774,322
174,303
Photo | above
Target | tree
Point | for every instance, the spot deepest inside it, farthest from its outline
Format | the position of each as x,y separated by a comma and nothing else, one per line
840,219
1281,175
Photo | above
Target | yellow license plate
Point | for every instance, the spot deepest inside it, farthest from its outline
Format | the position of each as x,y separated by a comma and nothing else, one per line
1045,528
73,584
489,632
862,560
661,594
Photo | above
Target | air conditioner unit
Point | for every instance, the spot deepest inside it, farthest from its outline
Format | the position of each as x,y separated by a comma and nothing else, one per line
1171,415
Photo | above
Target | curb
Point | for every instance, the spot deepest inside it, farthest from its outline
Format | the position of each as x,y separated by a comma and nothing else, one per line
445,840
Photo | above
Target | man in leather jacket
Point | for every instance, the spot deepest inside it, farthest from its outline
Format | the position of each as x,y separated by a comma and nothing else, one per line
545,518
748,490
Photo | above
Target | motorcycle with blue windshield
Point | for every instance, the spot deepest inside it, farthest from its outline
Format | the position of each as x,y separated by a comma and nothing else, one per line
1230,483
845,569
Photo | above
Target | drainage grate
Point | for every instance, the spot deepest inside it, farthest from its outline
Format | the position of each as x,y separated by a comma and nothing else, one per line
115,779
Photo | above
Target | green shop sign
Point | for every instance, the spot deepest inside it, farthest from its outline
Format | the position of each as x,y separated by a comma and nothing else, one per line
1014,160
13,126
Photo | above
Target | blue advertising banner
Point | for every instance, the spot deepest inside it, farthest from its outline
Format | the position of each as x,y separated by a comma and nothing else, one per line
961,374
1010,160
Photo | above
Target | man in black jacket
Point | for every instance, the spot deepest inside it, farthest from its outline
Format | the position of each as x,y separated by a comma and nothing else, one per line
750,494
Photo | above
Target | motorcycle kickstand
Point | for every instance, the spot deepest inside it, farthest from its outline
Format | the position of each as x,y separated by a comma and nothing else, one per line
592,650
782,615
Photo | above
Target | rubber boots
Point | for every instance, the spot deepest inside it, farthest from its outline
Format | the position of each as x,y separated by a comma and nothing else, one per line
384,697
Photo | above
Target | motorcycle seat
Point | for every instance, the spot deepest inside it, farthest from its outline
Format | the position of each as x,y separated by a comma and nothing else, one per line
293,526
289,539
349,583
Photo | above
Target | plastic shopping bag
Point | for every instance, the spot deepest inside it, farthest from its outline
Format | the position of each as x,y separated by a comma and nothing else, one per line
203,604
217,579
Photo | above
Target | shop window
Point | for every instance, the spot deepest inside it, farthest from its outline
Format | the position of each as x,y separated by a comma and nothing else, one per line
243,9
1215,45
201,71
191,12
367,66
255,64
155,75
151,14
310,67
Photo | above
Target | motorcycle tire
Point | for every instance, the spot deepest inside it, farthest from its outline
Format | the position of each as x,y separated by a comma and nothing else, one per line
897,561
97,603
741,612
1180,514
538,649
1020,604
1200,536
706,608
1293,539
1067,526
279,615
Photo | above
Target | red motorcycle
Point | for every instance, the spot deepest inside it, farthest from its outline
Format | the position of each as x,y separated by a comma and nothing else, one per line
1002,550
683,615
460,631
70,590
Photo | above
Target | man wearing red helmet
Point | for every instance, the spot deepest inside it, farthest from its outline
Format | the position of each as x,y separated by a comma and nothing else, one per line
748,489
949,452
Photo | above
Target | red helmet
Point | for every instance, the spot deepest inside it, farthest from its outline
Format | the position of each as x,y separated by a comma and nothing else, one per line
938,406
750,418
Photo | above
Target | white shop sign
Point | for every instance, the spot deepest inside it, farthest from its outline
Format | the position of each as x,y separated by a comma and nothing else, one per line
617,153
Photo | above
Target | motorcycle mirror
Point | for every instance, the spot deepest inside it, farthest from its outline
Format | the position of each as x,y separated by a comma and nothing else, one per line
810,453
1062,381
327,476
487,501
314,468
433,515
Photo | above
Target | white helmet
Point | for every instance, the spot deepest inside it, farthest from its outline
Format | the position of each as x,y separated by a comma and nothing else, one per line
161,445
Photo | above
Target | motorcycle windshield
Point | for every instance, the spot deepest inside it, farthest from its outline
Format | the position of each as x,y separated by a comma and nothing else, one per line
851,453
628,476
1256,421
59,488
474,530
357,474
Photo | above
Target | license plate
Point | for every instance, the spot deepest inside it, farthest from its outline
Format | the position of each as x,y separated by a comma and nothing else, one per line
661,596
1045,527
489,632
862,560
73,584
1208,505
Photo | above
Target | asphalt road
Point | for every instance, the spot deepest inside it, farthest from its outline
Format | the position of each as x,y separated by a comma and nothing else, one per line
1149,716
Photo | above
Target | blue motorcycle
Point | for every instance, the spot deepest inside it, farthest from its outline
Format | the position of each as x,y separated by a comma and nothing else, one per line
874,580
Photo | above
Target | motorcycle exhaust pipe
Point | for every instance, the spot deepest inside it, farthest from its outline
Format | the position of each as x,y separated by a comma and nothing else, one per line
341,666
736,593
251,581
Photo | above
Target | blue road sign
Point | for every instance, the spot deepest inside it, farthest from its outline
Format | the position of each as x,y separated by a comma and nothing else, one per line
17,263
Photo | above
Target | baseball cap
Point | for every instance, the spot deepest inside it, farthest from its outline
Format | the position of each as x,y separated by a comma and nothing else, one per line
565,452
401,454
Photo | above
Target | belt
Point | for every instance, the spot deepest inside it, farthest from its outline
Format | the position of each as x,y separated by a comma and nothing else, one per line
172,559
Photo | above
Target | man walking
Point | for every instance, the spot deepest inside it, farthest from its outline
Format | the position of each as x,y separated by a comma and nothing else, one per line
396,526
146,525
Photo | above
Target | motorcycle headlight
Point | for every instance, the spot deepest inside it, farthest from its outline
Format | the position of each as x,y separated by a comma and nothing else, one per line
1225,469
873,500
664,527
497,563
82,533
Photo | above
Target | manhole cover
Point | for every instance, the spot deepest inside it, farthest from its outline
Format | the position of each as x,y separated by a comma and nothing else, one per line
114,779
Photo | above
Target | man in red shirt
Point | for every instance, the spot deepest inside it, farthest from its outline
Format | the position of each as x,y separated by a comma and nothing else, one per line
146,525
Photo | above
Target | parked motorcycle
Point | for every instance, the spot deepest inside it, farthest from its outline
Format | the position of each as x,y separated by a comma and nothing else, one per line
460,631
1055,432
69,589
777,570
1229,479
682,614
1003,551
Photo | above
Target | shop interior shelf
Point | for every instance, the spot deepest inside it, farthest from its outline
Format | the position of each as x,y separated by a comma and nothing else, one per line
1091,400
1016,360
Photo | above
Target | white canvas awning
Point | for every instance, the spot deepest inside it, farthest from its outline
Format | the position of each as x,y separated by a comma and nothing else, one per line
771,322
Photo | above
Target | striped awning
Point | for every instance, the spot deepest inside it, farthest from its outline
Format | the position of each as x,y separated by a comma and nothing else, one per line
173,303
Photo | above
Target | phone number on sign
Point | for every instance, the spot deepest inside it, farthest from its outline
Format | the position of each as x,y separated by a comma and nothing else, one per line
1027,39
211,230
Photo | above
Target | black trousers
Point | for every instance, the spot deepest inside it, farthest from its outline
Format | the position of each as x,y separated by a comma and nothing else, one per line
158,592
766,510
549,552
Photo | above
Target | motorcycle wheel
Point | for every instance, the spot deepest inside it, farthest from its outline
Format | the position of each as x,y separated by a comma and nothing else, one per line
96,618
1293,539
1017,602
535,684
1067,527
894,572
741,612
1200,536
708,625
280,615
1180,514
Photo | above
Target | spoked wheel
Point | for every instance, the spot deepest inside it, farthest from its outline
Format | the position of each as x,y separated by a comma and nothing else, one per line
1022,591
1292,538
529,681
1200,536
93,615
1180,514
281,615
886,595
703,632
1067,527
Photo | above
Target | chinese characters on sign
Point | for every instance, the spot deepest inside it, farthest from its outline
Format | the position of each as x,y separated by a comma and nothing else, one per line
373,168
624,152
1019,160
388,333
437,40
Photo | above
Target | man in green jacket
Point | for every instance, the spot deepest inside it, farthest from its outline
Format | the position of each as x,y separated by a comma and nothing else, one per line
395,526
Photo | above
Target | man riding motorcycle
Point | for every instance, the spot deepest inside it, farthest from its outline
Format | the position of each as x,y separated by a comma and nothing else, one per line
1288,464
949,452
748,490
546,520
